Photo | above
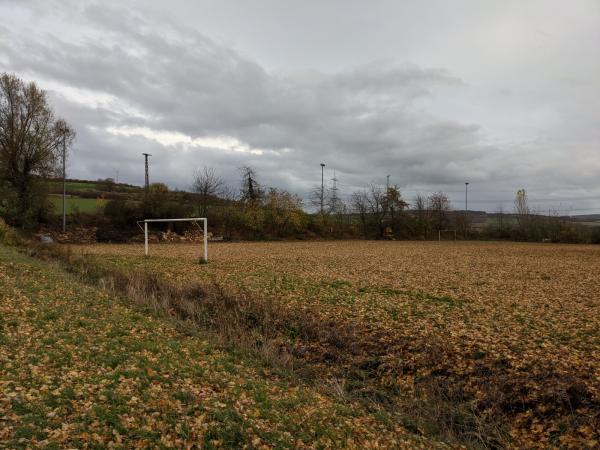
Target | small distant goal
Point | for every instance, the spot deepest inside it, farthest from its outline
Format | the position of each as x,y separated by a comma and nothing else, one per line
186,219
446,235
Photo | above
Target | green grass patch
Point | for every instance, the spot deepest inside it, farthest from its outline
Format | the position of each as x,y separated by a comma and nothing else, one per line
73,204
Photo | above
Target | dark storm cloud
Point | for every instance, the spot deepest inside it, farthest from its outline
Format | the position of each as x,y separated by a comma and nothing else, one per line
134,81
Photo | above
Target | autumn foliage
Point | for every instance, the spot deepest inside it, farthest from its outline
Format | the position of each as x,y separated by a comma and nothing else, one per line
485,344
83,368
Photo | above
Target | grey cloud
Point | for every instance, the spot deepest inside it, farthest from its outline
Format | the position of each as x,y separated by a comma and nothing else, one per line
366,121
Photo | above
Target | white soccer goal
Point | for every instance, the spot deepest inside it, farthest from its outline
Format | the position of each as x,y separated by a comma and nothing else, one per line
443,233
188,219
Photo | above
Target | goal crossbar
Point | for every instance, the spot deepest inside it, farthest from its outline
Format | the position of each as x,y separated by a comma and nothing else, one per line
186,219
446,231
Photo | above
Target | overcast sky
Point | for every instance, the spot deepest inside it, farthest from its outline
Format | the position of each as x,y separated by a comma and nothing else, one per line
505,95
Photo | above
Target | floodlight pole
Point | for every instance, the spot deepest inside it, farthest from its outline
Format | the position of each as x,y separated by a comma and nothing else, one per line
466,205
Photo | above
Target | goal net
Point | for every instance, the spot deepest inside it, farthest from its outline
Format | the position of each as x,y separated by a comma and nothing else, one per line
187,219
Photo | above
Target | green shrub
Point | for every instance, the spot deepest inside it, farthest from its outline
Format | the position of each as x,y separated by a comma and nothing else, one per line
8,236
11,238
122,213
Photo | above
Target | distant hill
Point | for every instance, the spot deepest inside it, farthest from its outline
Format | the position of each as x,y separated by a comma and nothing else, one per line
73,184
588,217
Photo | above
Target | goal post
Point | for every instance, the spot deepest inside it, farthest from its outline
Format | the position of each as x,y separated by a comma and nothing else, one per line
447,231
187,219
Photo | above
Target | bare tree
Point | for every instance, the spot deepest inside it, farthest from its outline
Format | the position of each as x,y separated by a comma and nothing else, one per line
229,194
523,213
376,206
360,205
32,141
439,205
207,184
422,213
522,206
377,201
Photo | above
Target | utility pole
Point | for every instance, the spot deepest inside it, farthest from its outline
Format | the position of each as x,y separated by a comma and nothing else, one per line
322,188
147,181
466,207
64,201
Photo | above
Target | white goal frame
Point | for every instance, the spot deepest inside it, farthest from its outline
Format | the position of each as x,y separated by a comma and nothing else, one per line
187,219
446,231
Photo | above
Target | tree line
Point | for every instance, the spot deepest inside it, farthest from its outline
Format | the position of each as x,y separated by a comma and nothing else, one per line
254,211
34,143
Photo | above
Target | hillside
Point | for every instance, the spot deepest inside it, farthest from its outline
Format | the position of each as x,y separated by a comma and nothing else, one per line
88,196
